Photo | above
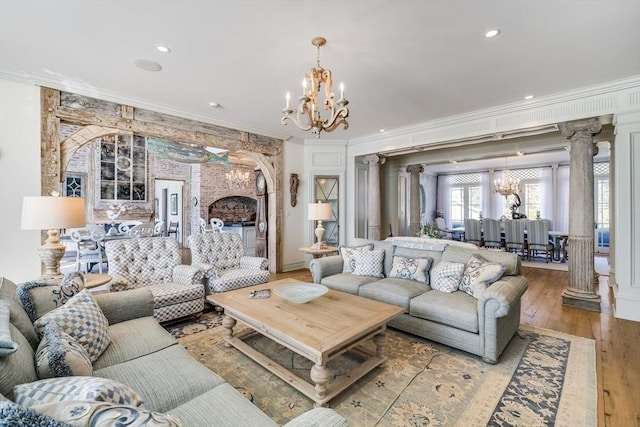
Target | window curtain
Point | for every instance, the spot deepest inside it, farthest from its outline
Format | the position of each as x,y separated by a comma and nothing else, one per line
561,220
444,198
485,191
546,202
498,201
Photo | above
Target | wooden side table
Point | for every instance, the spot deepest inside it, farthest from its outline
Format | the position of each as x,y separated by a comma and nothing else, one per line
95,280
318,253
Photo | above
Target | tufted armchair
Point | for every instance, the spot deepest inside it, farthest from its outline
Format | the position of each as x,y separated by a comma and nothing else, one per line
156,263
221,256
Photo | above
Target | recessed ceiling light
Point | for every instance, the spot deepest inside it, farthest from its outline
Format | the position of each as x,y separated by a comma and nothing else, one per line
455,162
528,97
520,153
145,64
382,130
214,105
162,48
492,33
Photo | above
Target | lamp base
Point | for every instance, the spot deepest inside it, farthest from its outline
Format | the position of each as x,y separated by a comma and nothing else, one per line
319,245
51,254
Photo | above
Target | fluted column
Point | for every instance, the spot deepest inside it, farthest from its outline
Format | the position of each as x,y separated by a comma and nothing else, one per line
581,290
373,188
612,215
414,201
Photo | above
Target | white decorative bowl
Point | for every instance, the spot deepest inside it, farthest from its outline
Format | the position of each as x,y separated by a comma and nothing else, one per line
299,293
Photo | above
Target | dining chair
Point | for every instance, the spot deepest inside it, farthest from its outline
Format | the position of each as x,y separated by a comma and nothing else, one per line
158,229
141,230
473,231
125,226
203,226
442,228
173,229
89,249
492,233
538,239
514,236
216,224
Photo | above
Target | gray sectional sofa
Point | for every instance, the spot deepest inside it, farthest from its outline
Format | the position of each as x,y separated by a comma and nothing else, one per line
482,326
141,355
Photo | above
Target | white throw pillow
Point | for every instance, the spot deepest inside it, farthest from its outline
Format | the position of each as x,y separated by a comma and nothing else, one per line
348,261
479,274
446,276
81,318
411,268
368,263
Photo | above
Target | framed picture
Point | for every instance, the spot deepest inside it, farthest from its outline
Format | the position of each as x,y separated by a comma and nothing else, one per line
174,204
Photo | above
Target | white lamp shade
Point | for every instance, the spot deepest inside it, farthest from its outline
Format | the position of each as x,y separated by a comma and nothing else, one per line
320,211
50,212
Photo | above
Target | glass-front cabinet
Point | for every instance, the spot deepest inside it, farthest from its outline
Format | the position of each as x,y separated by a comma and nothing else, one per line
326,190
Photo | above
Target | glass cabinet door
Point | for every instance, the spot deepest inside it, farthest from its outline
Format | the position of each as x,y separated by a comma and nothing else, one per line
326,191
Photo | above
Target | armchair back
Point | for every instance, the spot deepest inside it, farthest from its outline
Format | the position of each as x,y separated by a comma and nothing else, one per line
144,262
222,250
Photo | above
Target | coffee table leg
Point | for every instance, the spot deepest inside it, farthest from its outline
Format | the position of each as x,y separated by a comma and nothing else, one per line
320,375
228,323
380,341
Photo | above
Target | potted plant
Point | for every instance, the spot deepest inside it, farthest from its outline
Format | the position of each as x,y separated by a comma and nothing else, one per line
428,230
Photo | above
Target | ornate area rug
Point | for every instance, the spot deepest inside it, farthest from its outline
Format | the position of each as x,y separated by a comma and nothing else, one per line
544,378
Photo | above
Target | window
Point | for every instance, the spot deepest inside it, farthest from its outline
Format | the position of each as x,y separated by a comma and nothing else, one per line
466,200
74,185
601,203
123,168
531,198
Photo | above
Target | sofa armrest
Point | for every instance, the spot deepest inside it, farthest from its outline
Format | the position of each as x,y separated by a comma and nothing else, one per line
187,274
254,262
326,266
318,417
498,298
125,305
208,270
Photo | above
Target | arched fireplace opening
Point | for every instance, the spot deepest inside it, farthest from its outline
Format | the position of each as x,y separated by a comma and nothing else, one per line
234,210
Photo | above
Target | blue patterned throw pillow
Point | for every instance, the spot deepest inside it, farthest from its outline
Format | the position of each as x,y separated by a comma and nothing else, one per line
446,276
348,261
411,268
479,274
368,263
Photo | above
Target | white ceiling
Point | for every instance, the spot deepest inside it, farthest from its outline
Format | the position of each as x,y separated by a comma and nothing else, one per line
402,62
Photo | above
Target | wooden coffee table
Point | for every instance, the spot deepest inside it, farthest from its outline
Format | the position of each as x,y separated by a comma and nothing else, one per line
319,330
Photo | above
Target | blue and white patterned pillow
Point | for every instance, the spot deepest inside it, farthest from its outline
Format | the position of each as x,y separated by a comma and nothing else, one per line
348,261
479,274
81,318
368,263
411,268
59,355
39,297
446,276
106,414
12,414
95,389
7,345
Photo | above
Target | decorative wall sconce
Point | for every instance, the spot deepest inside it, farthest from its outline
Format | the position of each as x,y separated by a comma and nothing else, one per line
293,188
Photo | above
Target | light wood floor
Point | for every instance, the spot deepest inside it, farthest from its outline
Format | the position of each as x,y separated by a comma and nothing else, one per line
617,341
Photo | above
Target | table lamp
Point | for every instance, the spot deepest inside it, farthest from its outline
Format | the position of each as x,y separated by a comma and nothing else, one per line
319,212
52,213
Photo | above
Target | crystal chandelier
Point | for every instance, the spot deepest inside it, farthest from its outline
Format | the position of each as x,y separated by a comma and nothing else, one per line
307,116
237,179
508,185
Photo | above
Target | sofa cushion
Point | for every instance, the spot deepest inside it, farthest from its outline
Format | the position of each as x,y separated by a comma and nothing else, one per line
510,261
478,274
411,268
59,355
18,317
82,319
18,367
40,297
228,280
128,343
348,260
165,294
102,414
446,276
456,309
393,291
65,389
346,282
164,379
368,263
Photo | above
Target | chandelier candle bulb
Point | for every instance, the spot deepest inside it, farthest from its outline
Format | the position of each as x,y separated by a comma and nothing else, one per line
288,99
341,90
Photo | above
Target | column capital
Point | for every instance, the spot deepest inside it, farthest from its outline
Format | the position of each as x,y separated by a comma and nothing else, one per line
372,159
415,169
569,129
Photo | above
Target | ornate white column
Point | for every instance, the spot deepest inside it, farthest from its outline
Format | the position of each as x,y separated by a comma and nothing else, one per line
612,215
581,291
373,188
414,201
